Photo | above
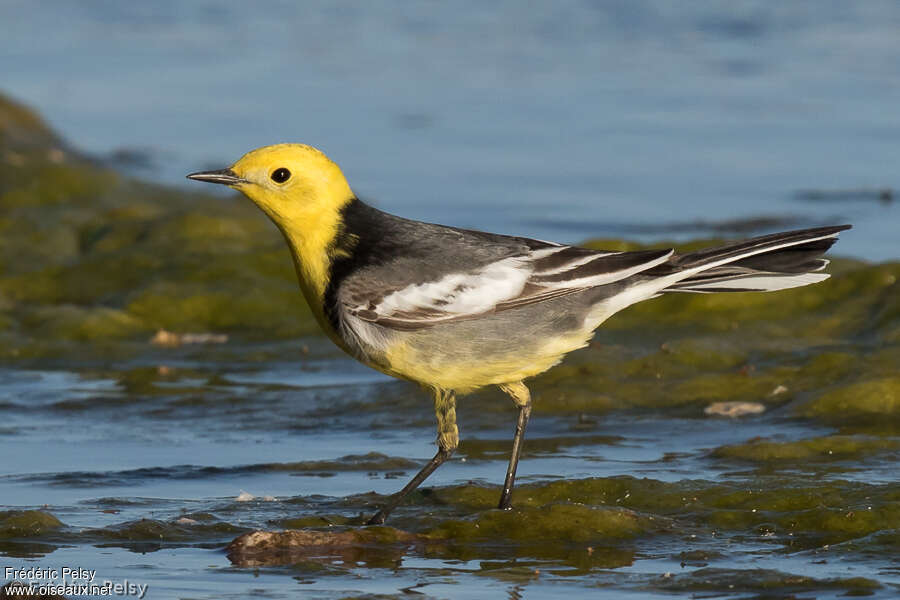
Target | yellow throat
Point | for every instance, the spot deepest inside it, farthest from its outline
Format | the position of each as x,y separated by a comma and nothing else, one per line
305,206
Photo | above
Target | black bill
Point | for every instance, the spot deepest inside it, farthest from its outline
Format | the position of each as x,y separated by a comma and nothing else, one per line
223,176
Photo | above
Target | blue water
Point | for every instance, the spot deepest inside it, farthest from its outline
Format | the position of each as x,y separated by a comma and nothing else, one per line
100,457
560,120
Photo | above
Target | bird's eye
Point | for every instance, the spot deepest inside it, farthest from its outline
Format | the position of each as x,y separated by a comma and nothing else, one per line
280,175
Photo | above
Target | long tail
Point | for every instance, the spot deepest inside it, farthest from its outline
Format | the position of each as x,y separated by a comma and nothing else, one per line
764,264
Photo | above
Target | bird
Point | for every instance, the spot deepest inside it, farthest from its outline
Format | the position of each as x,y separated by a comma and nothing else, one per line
456,310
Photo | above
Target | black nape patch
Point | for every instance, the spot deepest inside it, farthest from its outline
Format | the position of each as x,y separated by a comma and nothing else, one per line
361,241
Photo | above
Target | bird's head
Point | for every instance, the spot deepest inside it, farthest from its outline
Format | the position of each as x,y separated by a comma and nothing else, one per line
296,185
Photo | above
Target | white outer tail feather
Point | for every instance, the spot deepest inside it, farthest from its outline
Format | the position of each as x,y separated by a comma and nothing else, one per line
655,287
764,282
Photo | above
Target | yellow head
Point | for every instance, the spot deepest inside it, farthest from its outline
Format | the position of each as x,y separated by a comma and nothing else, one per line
302,191
296,185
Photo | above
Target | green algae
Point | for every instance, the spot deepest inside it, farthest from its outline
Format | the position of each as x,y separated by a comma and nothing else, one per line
194,308
588,524
872,399
79,323
573,523
803,514
124,257
27,523
19,125
153,530
642,495
207,234
578,535
577,525
833,447
761,580
51,184
681,357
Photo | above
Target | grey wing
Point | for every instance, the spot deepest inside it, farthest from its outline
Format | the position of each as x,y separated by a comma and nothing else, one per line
478,276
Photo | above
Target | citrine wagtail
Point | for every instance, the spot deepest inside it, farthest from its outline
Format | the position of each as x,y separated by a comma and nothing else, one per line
456,310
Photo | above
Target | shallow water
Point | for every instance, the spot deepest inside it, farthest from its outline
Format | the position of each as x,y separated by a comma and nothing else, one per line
144,461
564,121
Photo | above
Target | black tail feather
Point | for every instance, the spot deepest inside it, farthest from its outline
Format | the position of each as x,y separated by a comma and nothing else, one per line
771,262
708,255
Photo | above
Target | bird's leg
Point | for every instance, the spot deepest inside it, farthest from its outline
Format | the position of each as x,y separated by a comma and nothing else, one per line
397,498
448,440
521,396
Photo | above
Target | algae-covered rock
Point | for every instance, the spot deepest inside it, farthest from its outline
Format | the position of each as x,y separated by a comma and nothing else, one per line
800,513
637,494
769,583
871,399
21,129
589,523
88,255
561,526
152,530
563,522
82,323
833,447
27,523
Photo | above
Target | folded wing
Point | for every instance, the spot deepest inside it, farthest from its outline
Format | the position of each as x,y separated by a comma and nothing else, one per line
543,272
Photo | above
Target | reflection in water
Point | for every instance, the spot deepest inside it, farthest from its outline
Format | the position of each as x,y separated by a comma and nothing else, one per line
515,592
